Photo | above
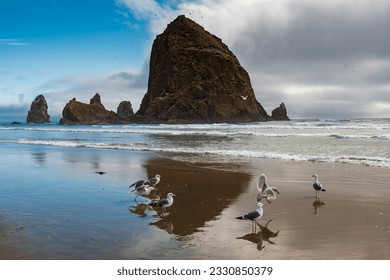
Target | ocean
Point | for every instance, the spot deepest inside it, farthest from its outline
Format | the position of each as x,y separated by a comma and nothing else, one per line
349,141
54,204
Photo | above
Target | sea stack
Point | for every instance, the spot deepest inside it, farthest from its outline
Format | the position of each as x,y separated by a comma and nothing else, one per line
76,112
125,111
280,113
195,78
38,111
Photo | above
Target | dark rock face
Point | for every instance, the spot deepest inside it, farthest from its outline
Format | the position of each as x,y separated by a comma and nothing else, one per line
194,77
76,112
280,113
96,100
125,110
38,111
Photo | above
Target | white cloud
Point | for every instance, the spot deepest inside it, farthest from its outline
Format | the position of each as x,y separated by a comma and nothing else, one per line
113,88
13,42
322,58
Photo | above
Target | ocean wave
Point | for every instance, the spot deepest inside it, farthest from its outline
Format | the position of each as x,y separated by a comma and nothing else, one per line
282,129
382,137
220,130
346,136
356,160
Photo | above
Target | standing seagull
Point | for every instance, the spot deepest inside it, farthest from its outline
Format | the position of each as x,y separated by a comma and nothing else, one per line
317,186
253,216
265,191
154,180
164,203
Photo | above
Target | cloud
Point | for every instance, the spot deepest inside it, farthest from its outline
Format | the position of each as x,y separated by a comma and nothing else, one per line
113,88
322,58
12,42
142,9
13,112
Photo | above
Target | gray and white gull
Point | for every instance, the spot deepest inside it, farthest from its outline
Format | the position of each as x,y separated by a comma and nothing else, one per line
163,203
317,186
145,187
265,191
254,215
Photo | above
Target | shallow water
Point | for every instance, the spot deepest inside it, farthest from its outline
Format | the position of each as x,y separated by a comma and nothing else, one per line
54,206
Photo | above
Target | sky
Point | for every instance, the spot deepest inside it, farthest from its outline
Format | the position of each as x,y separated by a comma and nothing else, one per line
323,59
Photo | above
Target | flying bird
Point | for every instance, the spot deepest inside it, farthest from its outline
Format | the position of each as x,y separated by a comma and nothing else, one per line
317,186
254,215
265,191
164,203
244,97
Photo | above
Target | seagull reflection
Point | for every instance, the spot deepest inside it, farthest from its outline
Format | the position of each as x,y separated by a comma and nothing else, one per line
264,234
140,209
256,238
164,225
267,233
317,204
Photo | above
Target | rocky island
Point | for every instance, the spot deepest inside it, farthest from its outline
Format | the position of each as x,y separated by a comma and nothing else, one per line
76,112
38,111
193,78
280,113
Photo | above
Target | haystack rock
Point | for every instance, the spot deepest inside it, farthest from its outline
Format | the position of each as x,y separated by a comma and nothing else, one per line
125,110
38,111
280,113
76,112
195,78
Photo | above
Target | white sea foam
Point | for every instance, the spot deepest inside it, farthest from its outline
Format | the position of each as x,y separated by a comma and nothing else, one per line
243,153
347,141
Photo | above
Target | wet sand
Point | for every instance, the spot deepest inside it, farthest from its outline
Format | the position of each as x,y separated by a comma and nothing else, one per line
54,206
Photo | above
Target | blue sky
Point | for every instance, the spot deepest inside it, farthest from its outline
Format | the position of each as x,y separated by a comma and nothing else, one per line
323,59
47,45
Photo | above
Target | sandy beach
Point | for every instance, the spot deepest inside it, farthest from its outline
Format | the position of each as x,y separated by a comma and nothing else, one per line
54,206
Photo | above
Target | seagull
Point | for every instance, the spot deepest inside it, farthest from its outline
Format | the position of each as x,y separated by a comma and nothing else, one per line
149,182
254,215
100,172
317,186
244,97
164,203
265,191
145,190
154,180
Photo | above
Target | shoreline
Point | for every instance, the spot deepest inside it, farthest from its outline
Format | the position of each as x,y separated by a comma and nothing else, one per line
210,193
354,206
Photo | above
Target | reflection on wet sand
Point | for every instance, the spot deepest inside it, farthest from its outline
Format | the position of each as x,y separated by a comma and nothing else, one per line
201,194
62,210
164,225
264,234
267,233
140,209
39,158
254,237
317,204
